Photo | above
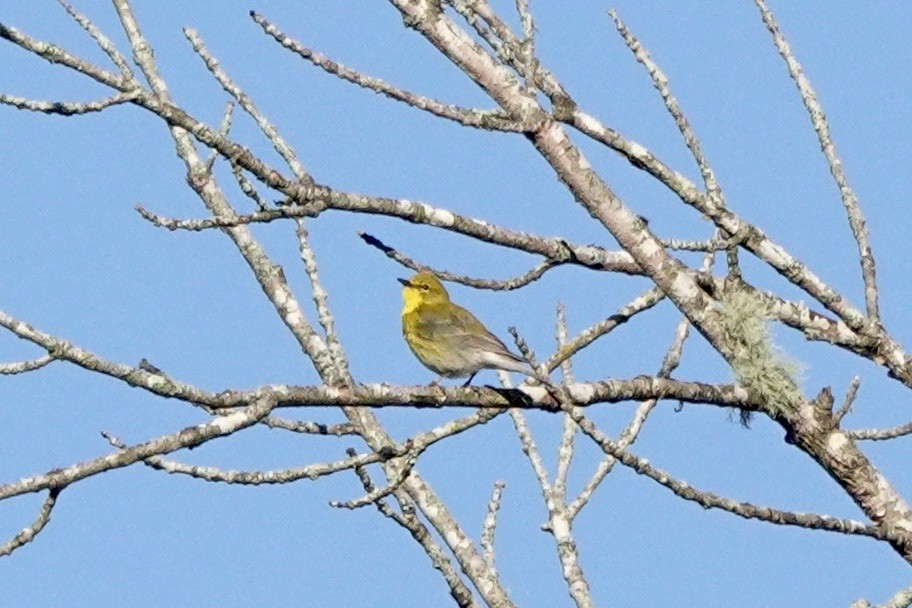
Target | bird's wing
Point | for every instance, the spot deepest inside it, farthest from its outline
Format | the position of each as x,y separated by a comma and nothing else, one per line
469,332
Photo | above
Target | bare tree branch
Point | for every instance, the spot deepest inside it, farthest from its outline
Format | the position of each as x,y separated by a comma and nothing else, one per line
158,384
531,276
378,494
103,42
188,437
525,397
713,501
660,81
565,448
644,301
22,367
819,122
589,256
67,108
526,55
846,406
559,524
321,300
470,117
27,535
253,478
57,55
630,433
407,520
309,428
246,103
490,525
224,129
881,434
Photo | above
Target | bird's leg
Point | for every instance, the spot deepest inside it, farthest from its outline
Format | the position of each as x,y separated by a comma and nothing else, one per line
469,381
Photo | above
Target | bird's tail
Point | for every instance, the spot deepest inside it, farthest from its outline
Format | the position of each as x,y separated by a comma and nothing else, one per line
511,363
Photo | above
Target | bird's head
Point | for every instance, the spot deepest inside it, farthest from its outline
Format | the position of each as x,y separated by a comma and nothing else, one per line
422,289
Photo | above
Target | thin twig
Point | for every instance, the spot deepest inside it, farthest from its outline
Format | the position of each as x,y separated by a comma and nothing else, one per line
630,433
309,428
408,521
493,120
822,128
103,42
21,367
589,256
660,81
247,188
560,517
67,108
408,450
846,406
490,525
27,535
254,478
56,55
224,129
377,494
496,33
532,275
188,437
643,302
881,434
527,48
709,500
246,103
158,384
527,442
565,448
321,300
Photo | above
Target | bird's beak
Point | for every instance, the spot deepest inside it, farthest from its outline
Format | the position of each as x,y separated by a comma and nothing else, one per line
404,282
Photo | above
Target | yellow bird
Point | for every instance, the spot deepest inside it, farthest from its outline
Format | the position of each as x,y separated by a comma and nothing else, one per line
446,337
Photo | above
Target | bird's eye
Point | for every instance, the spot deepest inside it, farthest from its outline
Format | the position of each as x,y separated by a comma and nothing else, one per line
425,287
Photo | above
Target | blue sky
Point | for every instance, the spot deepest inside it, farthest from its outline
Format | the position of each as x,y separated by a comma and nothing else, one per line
78,262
